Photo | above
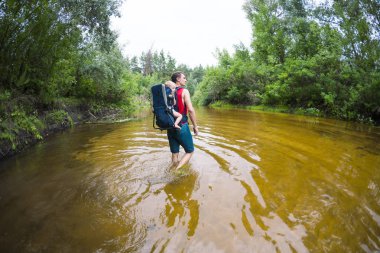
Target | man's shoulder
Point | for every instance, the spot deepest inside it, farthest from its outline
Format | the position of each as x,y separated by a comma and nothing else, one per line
183,90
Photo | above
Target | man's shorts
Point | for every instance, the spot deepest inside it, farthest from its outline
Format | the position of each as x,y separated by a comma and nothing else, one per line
181,138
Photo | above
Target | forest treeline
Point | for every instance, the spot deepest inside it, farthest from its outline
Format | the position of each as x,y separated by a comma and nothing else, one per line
58,57
322,59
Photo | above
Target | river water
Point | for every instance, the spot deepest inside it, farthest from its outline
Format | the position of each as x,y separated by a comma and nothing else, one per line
258,182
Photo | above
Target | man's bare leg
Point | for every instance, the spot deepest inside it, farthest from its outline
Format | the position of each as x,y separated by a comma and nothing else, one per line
175,159
184,160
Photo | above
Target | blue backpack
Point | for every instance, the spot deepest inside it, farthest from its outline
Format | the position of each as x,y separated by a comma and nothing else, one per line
163,117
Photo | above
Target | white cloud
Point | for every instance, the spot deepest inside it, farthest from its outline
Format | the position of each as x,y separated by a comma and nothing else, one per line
189,30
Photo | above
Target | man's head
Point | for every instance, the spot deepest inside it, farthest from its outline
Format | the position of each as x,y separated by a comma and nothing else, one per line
179,78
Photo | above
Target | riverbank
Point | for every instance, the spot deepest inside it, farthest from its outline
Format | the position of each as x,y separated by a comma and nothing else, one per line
284,109
21,130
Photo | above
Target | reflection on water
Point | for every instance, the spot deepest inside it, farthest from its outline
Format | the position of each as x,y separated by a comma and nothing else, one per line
258,182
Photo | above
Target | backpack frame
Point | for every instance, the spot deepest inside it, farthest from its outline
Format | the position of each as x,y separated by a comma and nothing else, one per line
163,118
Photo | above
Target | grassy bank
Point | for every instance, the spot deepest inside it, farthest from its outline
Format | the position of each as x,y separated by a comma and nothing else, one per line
24,122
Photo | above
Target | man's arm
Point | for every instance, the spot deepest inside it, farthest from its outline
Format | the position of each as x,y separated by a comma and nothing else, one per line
190,108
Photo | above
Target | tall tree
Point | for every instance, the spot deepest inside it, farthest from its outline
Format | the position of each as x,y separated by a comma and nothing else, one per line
359,23
36,34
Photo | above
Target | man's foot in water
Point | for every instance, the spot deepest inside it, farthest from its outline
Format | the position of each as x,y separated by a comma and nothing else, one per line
181,172
173,165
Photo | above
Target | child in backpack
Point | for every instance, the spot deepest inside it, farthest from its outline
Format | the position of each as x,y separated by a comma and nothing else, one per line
172,102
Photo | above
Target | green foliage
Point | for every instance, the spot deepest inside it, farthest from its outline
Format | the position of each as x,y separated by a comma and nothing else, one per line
18,118
274,94
153,62
212,86
99,75
92,17
317,59
137,87
308,111
364,99
233,94
29,123
194,77
19,123
36,35
58,117
236,81
159,66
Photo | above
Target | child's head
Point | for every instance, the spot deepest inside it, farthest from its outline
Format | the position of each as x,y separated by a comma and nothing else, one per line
170,84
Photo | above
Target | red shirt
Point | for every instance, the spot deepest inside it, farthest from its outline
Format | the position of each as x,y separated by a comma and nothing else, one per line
182,109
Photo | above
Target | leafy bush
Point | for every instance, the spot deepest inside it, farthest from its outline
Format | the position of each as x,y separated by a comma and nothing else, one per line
59,117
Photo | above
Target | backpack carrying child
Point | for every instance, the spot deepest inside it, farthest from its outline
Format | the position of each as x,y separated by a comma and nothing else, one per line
163,101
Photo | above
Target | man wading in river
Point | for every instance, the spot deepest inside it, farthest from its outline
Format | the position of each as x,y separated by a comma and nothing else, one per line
183,137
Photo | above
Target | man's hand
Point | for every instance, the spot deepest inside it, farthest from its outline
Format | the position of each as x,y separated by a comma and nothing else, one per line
195,129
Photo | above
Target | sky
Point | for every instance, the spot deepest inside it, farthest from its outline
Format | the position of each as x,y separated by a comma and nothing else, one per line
189,30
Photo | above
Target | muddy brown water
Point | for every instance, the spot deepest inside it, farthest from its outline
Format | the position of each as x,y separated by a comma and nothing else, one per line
258,182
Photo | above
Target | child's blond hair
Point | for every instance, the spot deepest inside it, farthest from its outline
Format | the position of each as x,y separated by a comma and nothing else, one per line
170,84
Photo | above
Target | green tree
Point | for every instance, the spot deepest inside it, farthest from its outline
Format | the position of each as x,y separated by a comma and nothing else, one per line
154,63
37,34
99,75
134,65
270,31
